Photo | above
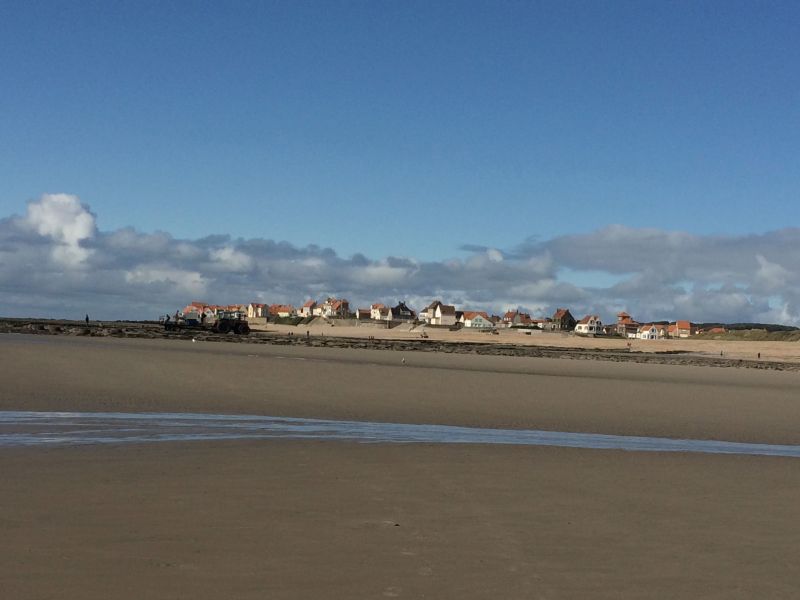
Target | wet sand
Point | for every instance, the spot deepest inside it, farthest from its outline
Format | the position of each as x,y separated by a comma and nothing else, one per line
283,519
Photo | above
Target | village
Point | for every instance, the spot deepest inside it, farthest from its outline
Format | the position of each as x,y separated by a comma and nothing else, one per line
440,315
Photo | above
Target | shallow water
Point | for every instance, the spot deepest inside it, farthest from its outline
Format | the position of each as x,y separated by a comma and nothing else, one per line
25,428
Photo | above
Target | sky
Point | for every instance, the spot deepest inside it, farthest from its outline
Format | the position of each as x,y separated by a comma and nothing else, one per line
605,156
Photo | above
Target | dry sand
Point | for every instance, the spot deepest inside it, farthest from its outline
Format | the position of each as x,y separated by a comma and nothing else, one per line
745,350
283,519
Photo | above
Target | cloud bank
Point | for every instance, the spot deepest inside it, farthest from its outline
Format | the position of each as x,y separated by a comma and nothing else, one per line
54,261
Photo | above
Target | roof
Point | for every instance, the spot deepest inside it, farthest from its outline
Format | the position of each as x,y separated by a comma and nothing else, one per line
683,324
310,304
378,306
279,308
447,309
402,308
561,313
471,314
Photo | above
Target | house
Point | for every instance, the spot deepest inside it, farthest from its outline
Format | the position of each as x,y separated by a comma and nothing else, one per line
647,332
444,314
589,325
375,311
256,310
426,314
307,310
477,319
563,320
627,327
683,329
515,317
363,314
440,314
335,307
401,312
281,310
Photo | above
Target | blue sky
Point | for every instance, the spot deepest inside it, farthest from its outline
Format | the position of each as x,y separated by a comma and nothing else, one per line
405,129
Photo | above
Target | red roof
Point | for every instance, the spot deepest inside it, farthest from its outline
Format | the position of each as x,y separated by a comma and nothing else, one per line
588,318
309,304
471,314
275,309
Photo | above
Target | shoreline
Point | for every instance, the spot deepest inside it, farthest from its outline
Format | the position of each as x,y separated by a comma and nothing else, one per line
99,374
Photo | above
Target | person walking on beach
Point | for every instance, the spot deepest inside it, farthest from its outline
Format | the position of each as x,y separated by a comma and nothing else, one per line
87,319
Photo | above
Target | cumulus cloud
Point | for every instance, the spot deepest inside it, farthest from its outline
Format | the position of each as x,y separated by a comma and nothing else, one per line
62,219
54,261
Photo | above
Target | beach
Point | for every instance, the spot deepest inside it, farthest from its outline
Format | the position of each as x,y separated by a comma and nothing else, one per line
299,519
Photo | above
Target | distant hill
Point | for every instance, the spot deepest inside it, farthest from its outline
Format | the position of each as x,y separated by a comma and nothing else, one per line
771,327
752,332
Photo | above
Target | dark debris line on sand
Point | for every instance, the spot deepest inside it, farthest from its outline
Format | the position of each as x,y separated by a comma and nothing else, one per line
145,330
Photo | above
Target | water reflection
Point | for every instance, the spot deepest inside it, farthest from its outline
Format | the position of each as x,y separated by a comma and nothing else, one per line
25,428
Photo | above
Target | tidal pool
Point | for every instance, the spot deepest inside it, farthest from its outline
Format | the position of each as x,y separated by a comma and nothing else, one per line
28,428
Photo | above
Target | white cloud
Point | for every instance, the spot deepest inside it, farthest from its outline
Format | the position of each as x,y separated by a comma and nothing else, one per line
53,259
63,219
231,259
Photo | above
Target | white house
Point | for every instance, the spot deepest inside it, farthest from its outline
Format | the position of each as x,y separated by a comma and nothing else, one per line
589,325
477,319
647,332
256,310
335,307
376,311
443,314
307,309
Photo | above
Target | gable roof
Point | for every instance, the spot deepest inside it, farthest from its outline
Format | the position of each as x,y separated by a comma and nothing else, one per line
274,309
432,306
402,308
471,314
561,313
